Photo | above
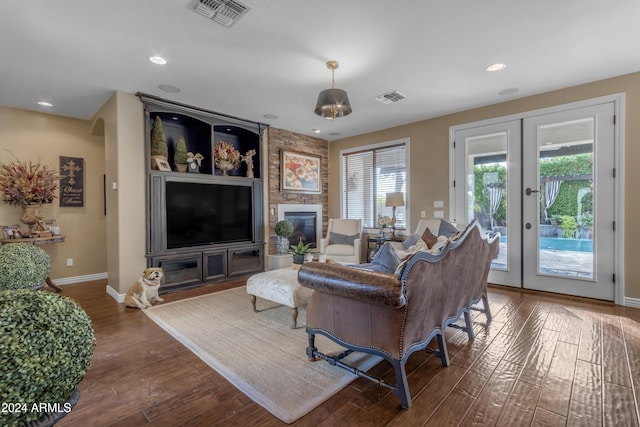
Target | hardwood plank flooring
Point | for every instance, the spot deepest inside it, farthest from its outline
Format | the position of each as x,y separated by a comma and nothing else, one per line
545,360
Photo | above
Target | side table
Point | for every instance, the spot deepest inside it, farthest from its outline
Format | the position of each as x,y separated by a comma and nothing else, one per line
374,243
40,241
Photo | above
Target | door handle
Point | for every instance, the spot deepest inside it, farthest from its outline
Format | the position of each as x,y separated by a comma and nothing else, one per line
528,226
528,191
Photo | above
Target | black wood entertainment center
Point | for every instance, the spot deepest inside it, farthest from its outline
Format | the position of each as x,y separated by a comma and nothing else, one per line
203,226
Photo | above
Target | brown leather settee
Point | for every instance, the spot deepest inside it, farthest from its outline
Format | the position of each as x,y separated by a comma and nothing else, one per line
393,315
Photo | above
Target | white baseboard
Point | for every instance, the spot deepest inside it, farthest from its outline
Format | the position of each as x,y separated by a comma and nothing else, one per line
632,302
115,295
79,279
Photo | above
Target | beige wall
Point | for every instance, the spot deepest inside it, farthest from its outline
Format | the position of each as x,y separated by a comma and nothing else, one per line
37,136
122,121
429,167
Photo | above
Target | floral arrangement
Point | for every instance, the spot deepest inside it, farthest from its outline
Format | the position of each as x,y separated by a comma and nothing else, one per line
24,183
384,221
225,151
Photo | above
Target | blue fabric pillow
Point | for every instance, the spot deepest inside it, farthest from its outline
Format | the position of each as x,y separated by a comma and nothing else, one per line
386,258
446,229
341,239
410,241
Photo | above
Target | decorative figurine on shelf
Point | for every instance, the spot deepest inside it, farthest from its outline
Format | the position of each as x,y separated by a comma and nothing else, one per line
226,157
194,161
248,159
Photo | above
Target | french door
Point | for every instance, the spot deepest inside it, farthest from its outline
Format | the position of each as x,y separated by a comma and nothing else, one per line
547,184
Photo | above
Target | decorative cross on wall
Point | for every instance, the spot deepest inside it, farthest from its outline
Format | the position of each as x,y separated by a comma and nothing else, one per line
71,168
71,181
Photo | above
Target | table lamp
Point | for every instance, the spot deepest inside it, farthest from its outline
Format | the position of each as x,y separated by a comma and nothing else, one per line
394,200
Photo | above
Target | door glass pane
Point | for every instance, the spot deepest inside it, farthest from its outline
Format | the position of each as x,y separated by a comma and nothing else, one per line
486,187
566,194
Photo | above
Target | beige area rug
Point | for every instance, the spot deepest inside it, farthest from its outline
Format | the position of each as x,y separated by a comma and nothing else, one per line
258,353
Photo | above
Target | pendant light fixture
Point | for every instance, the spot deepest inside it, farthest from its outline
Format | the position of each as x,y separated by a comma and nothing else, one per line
333,102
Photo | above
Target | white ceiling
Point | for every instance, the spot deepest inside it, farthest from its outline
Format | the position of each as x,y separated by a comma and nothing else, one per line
75,53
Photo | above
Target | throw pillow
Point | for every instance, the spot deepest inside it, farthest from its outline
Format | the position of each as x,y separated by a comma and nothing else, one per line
440,243
386,258
341,239
429,238
419,246
410,241
446,228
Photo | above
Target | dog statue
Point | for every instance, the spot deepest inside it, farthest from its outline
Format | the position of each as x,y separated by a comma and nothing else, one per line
145,290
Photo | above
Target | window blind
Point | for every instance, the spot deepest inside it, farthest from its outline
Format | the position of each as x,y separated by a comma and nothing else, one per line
368,176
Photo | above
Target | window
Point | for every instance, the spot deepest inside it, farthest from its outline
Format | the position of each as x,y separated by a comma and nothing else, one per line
367,176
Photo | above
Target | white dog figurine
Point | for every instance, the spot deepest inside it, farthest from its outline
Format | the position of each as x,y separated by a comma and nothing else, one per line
145,290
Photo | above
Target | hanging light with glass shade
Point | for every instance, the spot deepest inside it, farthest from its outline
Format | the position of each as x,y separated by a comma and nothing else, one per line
333,102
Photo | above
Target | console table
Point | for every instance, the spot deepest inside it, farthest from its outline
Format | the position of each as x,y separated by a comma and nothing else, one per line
40,241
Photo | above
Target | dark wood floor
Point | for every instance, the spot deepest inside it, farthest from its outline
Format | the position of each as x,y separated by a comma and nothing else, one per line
544,361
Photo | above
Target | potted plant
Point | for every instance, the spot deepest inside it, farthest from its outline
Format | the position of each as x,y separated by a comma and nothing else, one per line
23,265
159,149
299,251
46,348
283,230
180,157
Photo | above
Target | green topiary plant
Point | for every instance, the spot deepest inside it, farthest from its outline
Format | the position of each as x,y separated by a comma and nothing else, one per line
23,265
158,139
180,156
283,228
46,348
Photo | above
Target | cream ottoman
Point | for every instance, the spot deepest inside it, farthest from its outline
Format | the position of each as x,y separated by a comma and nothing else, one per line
280,286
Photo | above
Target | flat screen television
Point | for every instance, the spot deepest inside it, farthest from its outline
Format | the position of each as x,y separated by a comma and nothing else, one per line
204,213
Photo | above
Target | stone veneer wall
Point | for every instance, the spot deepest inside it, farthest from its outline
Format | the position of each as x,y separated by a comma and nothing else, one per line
279,139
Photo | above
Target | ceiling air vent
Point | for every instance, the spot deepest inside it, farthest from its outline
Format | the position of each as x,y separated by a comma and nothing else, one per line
390,97
224,12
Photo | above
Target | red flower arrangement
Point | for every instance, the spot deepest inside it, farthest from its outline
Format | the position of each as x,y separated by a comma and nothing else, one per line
225,151
24,183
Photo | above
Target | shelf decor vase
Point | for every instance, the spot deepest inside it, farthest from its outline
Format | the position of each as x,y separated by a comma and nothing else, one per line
224,166
283,245
30,215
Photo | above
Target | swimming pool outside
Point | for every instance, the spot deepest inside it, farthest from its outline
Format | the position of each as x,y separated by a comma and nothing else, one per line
560,244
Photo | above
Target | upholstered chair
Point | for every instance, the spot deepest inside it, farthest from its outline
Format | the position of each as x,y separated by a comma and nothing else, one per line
343,242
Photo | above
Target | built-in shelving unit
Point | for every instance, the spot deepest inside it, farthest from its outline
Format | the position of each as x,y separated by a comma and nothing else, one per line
203,226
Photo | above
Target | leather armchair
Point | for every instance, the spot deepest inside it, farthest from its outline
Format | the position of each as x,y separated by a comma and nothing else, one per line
339,244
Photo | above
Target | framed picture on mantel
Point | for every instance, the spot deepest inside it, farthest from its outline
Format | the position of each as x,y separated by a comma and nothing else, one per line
300,172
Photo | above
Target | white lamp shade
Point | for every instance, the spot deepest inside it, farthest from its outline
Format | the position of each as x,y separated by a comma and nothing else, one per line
394,199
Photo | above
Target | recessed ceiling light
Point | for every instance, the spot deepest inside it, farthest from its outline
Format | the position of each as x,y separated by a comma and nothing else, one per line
270,116
509,91
316,130
169,88
45,104
158,60
496,67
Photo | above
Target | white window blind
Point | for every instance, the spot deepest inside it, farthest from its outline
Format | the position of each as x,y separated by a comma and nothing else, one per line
368,176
